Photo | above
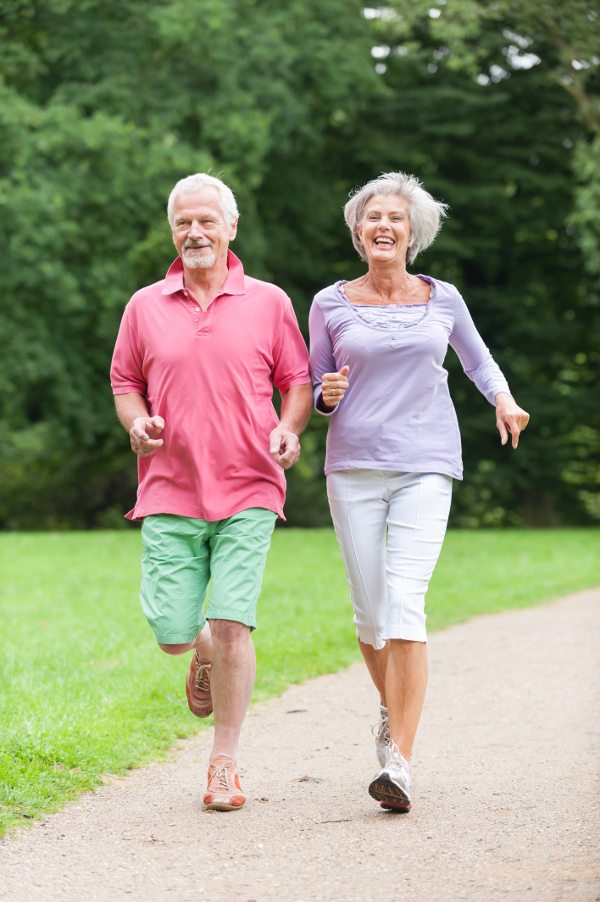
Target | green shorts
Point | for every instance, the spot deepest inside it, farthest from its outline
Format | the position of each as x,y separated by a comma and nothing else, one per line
181,555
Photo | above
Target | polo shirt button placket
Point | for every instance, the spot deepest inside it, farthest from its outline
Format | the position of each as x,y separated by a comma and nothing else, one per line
202,328
186,295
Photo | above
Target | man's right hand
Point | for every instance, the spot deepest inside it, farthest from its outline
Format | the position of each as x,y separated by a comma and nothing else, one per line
144,433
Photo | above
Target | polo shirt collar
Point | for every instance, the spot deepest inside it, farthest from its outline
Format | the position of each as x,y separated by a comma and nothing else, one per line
234,283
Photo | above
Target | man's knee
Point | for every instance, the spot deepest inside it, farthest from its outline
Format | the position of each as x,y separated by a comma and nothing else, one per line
229,634
176,649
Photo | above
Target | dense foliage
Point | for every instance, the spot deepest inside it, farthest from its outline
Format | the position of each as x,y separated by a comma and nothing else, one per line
103,105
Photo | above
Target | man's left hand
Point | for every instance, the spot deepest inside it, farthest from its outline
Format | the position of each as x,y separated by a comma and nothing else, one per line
285,447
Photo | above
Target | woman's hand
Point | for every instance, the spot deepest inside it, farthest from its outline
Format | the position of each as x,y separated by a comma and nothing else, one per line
510,418
334,386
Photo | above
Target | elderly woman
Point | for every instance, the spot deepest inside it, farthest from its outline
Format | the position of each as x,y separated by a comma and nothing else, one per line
378,345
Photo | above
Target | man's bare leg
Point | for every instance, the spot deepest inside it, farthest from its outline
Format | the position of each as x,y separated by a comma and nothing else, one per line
231,681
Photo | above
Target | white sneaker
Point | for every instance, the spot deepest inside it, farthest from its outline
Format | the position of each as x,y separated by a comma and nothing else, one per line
391,786
382,735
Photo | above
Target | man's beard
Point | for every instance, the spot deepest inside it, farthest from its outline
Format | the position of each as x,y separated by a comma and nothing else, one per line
198,261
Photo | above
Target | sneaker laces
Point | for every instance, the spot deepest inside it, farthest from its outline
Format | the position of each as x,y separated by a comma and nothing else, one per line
396,757
220,777
381,730
202,679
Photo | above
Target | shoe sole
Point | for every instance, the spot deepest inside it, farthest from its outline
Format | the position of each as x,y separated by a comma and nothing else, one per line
385,791
222,805
404,807
198,712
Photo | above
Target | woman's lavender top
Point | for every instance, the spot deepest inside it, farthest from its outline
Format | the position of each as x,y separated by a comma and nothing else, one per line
397,413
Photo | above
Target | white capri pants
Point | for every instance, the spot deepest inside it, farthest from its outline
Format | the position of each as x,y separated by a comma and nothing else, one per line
390,527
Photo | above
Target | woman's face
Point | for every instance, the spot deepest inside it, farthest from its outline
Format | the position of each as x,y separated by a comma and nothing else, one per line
385,229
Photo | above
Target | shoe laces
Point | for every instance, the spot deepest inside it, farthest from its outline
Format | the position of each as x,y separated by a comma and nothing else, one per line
202,680
396,757
220,778
381,730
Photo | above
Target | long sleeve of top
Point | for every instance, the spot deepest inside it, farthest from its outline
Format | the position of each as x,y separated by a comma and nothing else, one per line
397,413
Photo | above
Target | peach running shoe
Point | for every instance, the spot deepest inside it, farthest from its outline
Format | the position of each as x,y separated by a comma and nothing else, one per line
223,792
197,687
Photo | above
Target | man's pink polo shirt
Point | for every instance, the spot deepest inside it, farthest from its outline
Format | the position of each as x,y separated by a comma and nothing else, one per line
210,375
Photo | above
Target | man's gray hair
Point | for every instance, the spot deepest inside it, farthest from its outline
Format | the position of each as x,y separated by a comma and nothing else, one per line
193,184
424,212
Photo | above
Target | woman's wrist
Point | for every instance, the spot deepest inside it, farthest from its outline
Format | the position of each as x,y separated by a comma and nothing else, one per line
323,406
502,397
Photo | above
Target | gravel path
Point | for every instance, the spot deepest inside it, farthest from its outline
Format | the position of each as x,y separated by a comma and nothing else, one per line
505,806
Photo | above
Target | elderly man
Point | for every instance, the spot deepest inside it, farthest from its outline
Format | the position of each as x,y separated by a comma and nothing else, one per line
193,371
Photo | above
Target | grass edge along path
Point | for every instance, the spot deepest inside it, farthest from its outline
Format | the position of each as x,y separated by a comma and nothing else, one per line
85,693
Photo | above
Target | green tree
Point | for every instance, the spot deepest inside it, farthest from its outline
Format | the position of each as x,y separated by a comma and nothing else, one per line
497,114
103,107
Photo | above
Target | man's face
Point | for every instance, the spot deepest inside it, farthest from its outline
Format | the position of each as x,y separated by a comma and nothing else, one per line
200,232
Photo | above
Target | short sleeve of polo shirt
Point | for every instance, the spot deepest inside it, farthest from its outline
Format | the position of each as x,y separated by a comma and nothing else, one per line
126,368
290,355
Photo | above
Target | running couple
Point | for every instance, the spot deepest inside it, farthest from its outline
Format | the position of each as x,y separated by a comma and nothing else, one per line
195,363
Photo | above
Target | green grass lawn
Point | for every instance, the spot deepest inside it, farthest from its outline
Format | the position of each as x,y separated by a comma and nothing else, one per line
85,692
